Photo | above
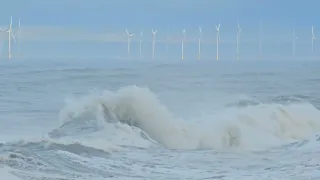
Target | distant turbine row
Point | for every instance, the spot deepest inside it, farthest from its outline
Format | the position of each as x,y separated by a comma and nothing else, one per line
13,32
239,30
182,42
154,32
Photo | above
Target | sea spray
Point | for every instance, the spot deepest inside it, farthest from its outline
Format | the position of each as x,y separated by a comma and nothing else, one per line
251,127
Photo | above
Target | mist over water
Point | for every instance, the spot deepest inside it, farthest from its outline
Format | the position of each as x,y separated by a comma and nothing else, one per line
159,120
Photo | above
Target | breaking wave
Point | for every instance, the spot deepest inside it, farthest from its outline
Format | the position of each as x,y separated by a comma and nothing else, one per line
133,116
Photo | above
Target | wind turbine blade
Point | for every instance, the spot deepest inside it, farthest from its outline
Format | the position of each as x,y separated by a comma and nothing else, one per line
154,31
218,27
13,37
127,32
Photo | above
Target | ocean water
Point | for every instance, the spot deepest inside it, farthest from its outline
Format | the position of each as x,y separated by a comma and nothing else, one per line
130,119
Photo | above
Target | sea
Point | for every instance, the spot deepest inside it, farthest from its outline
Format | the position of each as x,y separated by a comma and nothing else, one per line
92,119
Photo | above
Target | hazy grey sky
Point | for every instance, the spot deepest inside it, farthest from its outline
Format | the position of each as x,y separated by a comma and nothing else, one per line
105,13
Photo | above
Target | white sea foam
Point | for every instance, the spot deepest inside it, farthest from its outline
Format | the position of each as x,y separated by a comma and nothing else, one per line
258,126
5,173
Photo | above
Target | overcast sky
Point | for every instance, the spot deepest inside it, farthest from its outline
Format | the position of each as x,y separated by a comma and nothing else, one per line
160,12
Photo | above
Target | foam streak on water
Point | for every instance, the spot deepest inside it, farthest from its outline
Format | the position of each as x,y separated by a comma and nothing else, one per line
172,124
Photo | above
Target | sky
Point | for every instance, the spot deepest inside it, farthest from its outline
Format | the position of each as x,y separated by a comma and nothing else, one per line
159,12
106,20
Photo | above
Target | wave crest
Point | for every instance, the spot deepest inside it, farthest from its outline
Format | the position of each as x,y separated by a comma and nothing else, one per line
254,126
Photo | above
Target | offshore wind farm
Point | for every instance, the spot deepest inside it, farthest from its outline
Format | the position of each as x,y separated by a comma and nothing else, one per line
148,49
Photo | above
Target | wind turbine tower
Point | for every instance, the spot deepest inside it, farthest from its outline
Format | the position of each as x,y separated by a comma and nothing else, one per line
260,43
141,34
182,43
19,37
294,37
199,43
129,40
10,35
313,38
154,32
238,41
167,41
218,39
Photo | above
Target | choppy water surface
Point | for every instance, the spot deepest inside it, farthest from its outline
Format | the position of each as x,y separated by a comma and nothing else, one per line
108,119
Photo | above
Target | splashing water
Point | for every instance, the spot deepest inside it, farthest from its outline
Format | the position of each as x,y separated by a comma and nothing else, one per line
252,127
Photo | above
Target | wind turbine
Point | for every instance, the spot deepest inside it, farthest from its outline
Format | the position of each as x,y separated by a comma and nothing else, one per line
199,43
218,39
182,43
238,41
294,37
19,37
167,41
313,38
129,40
260,43
154,32
10,35
141,34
